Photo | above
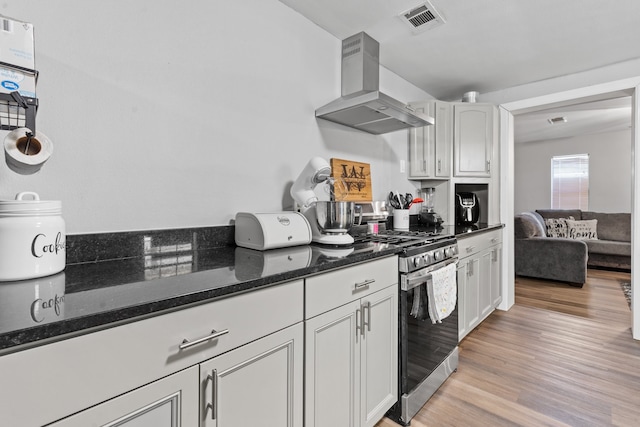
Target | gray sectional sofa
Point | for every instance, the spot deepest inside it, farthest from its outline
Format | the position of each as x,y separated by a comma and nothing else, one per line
566,259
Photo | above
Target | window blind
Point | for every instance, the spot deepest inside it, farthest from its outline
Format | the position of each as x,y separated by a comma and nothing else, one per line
570,182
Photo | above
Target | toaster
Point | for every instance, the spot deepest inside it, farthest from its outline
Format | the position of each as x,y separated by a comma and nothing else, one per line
467,208
264,231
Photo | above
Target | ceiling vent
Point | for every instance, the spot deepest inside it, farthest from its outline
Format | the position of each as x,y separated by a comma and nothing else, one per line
422,18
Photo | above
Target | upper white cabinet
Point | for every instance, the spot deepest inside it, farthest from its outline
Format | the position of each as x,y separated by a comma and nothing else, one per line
459,144
473,139
430,147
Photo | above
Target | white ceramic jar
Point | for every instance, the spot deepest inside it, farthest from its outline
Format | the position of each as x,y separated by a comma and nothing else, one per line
32,238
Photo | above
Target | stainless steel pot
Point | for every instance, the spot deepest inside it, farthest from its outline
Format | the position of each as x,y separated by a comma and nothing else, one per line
336,217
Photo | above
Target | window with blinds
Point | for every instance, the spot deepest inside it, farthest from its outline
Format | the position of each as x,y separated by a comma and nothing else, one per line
570,182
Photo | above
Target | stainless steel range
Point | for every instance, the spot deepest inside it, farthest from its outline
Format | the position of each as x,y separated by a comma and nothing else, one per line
428,352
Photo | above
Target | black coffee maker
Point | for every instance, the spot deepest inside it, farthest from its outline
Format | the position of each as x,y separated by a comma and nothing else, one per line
467,208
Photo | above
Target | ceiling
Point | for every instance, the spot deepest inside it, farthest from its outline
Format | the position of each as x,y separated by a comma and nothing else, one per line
588,118
489,45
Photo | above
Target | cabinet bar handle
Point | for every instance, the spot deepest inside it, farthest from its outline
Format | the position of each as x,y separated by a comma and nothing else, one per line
424,166
214,334
364,284
471,249
366,308
359,320
439,165
494,239
214,392
488,165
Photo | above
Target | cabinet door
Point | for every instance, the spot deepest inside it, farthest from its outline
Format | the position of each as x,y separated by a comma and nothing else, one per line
169,402
259,383
443,138
462,300
496,275
473,139
485,300
332,367
379,355
472,293
421,146
430,146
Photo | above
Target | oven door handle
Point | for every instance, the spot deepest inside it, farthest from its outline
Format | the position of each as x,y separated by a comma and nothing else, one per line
416,279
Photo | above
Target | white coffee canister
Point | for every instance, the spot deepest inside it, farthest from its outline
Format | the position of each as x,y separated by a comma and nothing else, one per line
32,237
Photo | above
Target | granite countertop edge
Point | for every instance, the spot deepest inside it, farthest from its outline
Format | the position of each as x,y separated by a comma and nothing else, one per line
21,339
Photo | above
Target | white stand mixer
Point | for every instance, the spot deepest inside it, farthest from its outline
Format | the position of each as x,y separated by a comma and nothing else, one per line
330,221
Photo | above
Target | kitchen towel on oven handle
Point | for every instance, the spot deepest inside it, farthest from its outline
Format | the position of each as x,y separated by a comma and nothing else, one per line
442,293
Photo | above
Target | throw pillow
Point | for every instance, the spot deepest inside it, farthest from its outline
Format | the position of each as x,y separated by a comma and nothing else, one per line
536,224
583,230
557,227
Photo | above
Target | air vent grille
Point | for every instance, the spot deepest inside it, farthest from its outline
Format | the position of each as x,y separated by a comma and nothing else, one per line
351,48
422,18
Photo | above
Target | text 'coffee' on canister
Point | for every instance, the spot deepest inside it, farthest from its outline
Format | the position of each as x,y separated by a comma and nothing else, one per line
32,237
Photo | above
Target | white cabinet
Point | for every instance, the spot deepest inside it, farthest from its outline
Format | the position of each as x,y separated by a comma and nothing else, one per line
169,402
496,274
257,384
351,350
469,291
68,376
468,130
479,278
430,147
264,376
473,139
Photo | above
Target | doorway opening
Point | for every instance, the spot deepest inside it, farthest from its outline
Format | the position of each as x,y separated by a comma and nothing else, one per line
508,111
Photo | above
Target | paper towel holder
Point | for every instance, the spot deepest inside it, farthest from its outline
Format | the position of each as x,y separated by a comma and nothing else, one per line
17,111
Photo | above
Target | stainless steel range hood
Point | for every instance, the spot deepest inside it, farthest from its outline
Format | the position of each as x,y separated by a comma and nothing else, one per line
362,106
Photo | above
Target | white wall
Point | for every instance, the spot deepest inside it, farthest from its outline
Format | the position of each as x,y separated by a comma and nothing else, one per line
165,113
609,171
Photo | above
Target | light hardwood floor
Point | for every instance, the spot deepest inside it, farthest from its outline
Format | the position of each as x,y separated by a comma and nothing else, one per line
561,356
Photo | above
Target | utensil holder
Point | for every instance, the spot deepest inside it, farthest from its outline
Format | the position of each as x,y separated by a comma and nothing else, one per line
401,219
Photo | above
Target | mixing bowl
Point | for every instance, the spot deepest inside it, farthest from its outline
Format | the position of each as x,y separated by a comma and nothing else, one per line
336,217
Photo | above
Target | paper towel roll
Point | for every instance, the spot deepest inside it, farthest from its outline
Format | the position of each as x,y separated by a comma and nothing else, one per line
23,156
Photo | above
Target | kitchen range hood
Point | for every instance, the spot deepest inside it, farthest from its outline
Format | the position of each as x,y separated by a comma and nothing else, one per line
362,106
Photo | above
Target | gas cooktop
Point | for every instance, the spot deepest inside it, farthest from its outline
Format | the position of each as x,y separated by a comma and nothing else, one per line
404,238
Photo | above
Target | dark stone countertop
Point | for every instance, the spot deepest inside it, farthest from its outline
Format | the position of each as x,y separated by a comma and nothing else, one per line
114,278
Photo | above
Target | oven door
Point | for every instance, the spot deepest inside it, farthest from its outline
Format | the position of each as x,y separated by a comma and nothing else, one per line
424,346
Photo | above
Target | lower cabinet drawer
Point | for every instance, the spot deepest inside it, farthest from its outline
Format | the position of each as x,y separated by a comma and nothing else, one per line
329,290
70,375
478,242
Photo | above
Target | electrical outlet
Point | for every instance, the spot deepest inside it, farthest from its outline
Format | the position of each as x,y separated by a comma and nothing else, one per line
402,166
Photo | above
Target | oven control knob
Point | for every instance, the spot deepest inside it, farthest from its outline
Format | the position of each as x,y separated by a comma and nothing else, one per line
416,261
449,252
427,259
437,255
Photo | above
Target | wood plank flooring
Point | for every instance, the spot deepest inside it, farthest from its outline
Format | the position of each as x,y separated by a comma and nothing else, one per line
561,356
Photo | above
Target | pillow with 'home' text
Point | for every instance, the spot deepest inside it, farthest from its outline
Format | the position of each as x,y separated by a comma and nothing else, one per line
582,230
557,227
